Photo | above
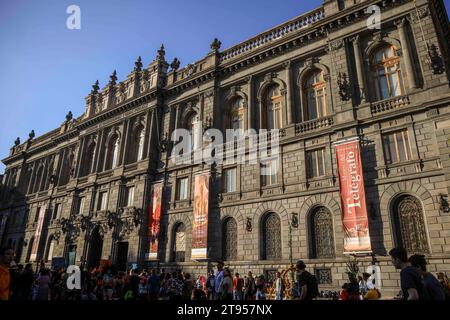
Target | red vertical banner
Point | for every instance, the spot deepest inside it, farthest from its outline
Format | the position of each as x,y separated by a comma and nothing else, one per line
353,197
154,220
201,210
37,234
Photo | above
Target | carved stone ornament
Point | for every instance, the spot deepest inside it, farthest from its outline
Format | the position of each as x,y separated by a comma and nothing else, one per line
344,86
248,225
175,65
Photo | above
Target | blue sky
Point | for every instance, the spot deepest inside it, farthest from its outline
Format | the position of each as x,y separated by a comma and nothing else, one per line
47,69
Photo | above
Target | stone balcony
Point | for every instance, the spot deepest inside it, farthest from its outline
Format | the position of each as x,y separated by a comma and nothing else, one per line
379,107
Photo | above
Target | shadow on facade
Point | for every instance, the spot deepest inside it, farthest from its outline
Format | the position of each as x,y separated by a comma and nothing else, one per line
369,158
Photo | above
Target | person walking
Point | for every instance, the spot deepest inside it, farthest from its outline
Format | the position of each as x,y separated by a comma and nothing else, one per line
306,282
238,284
432,285
218,280
210,285
43,282
249,287
279,286
226,286
411,282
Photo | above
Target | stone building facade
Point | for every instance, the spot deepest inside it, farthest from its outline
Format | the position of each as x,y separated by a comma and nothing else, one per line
320,77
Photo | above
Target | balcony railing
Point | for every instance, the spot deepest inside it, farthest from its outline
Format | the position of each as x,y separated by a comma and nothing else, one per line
295,25
389,104
313,125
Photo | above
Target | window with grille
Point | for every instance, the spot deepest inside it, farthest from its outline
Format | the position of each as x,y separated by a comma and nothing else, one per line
322,239
271,237
410,225
229,240
179,243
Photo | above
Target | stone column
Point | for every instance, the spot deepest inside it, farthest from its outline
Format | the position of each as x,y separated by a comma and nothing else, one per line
250,102
406,53
289,93
359,68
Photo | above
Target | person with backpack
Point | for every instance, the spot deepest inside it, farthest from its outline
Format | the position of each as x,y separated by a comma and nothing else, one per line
306,282
260,284
279,286
432,285
249,287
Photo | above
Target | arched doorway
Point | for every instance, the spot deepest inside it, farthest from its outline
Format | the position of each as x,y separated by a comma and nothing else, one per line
409,224
321,231
122,255
179,243
95,248
229,240
271,237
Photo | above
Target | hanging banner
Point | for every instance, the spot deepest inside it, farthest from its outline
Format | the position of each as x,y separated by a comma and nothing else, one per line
201,210
353,197
37,234
154,221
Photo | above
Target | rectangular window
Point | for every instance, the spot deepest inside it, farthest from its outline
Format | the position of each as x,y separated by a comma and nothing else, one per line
36,216
80,205
102,201
269,171
230,180
56,211
396,147
315,164
182,189
129,197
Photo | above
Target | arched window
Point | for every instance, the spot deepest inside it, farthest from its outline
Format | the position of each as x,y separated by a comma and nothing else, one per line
49,250
38,178
315,95
89,159
386,74
112,155
271,237
321,230
140,135
193,125
236,114
410,225
229,240
179,243
137,145
274,102
65,169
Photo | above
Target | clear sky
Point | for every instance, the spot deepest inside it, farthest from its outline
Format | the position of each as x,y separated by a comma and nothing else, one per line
47,69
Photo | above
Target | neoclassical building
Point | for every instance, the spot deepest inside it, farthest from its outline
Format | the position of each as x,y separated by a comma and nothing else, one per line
86,190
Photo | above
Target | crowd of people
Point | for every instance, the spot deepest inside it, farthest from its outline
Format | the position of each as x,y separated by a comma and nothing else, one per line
24,283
